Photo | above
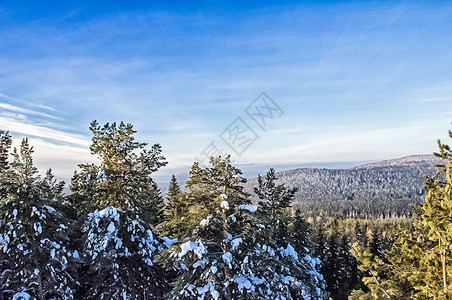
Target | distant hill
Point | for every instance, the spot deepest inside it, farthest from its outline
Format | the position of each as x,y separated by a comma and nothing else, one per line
382,189
413,160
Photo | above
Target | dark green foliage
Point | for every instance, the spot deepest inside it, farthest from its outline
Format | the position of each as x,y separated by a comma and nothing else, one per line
5,145
300,234
333,241
173,188
35,253
274,203
123,178
175,212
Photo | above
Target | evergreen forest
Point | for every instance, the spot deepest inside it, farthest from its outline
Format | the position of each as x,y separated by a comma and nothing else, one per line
117,235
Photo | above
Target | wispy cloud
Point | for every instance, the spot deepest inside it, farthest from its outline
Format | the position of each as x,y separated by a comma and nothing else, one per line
342,73
28,103
47,133
44,107
26,111
62,159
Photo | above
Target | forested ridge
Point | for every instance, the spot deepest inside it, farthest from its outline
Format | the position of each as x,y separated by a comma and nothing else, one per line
383,189
217,236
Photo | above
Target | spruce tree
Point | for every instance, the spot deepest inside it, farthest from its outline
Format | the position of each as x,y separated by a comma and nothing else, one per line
330,264
175,213
5,145
274,203
173,188
279,230
36,255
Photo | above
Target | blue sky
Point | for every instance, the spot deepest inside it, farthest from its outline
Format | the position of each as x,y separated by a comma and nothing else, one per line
356,81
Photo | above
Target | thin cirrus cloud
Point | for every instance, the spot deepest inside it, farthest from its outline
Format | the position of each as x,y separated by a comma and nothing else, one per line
47,128
16,109
182,76
27,129
54,146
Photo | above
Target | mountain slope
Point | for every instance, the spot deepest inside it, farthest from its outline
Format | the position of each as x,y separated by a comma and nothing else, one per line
381,189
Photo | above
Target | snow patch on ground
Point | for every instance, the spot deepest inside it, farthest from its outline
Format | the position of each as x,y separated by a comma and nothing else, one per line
235,243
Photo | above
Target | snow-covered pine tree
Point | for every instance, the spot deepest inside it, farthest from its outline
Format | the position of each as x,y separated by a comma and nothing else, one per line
210,251
120,250
118,243
294,269
35,249
221,257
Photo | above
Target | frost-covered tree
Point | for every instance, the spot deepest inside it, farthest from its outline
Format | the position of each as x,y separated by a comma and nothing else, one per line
35,248
5,145
120,251
221,258
119,203
280,231
215,226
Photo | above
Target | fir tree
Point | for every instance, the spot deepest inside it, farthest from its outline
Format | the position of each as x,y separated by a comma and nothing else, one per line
5,145
175,213
36,255
173,188
274,204
282,231
373,267
300,234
